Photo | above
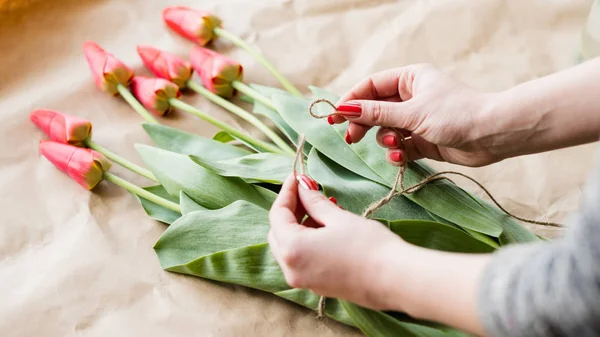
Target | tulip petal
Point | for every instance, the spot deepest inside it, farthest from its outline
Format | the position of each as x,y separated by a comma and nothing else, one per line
85,166
165,65
155,93
195,25
107,70
61,127
216,71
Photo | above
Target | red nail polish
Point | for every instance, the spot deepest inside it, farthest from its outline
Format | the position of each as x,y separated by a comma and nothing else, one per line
350,109
397,156
332,199
307,183
330,120
348,139
389,140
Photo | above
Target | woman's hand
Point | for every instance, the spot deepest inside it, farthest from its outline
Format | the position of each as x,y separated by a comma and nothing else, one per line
334,253
452,122
338,254
444,118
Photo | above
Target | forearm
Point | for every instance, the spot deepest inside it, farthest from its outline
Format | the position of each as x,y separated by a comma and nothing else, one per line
556,111
435,286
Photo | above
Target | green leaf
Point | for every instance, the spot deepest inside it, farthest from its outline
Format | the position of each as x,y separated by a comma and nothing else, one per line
266,193
201,233
251,266
187,204
378,324
481,237
265,167
227,245
178,173
223,137
368,160
157,212
181,142
308,299
355,193
274,116
438,236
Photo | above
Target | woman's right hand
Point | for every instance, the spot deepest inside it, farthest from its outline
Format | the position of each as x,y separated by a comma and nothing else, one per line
444,118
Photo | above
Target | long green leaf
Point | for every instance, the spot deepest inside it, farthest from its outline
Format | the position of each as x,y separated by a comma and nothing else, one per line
201,233
187,204
274,116
481,237
181,142
195,245
355,193
368,160
378,324
265,167
310,300
177,172
158,212
438,236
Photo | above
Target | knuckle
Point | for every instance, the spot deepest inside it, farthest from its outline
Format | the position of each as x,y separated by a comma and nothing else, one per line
315,199
379,113
292,254
295,280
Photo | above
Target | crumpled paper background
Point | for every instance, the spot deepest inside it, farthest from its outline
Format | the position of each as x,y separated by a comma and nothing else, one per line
79,263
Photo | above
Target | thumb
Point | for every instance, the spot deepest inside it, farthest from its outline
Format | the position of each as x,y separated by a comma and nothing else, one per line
321,209
379,113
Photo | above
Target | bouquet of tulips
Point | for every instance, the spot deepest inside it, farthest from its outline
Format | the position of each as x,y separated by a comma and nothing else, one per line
215,193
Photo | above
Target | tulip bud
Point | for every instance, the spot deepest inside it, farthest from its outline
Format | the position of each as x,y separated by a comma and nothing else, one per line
61,127
216,71
155,93
85,166
195,25
108,71
166,65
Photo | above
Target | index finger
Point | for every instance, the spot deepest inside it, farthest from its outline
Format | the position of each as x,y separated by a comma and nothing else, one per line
379,86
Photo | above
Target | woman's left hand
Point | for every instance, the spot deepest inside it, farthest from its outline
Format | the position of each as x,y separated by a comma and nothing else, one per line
334,253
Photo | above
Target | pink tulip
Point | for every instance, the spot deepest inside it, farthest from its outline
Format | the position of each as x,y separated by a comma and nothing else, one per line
61,127
195,25
85,166
165,65
108,71
155,93
216,71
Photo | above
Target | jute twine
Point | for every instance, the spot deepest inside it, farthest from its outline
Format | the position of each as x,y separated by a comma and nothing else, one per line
398,185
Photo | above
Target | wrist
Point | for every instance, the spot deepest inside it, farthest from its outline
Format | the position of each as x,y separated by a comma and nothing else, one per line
396,282
508,122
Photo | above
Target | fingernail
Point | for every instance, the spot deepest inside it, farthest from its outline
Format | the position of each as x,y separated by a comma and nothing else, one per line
332,199
389,140
348,139
330,120
307,183
397,156
350,109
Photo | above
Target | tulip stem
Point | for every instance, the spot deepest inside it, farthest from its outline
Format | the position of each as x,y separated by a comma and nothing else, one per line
135,104
120,160
142,193
236,40
241,113
255,95
241,136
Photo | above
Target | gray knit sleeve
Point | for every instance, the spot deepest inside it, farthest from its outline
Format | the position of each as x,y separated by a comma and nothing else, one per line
548,289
